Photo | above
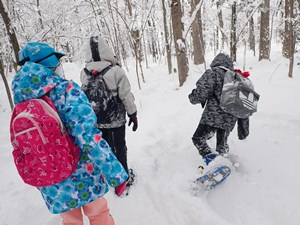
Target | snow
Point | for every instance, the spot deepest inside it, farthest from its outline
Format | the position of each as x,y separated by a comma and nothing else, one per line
263,190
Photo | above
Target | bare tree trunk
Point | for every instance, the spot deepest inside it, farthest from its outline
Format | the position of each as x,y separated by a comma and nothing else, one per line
251,35
264,43
152,45
119,39
197,36
135,34
221,23
292,40
233,43
129,7
146,58
153,50
167,41
291,64
137,72
137,49
288,29
69,50
116,41
96,15
2,71
40,14
11,33
182,60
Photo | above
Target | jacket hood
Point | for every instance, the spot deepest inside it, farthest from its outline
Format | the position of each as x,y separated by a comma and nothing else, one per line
33,81
222,60
105,53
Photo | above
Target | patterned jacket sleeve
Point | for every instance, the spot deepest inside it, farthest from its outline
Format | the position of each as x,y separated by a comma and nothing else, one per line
80,120
204,88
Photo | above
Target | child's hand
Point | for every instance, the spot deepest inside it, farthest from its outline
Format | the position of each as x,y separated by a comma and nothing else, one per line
133,119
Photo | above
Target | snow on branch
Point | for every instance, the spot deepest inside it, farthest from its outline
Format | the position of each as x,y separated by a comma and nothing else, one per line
191,19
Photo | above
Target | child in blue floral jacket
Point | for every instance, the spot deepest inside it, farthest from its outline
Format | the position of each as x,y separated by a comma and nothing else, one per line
98,166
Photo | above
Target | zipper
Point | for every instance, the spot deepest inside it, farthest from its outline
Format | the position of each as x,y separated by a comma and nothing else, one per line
28,115
51,112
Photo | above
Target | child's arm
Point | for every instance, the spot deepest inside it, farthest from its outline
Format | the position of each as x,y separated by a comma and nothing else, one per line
204,88
80,120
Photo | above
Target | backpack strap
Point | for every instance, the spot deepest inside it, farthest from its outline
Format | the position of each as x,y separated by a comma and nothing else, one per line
94,49
214,94
103,72
224,68
87,72
50,110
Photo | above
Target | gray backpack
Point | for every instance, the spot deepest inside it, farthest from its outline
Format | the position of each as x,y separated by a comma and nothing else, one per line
238,96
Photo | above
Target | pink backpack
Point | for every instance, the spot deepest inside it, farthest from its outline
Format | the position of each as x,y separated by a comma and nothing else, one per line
44,153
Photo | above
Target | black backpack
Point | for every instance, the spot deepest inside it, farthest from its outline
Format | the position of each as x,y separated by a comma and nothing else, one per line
105,104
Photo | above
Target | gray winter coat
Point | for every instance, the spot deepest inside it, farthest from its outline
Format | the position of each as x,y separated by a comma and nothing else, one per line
208,91
115,80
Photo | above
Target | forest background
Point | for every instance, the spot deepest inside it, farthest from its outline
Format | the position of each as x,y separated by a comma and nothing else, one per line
151,31
165,46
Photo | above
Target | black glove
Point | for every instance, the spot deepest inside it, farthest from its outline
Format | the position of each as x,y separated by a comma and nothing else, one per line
192,97
133,119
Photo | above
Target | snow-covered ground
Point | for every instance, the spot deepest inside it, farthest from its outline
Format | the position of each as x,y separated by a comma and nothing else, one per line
262,191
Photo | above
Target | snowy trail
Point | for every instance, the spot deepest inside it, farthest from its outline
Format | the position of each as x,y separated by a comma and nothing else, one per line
169,160
260,192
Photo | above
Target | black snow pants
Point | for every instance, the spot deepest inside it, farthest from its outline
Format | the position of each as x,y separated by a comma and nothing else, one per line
204,133
115,137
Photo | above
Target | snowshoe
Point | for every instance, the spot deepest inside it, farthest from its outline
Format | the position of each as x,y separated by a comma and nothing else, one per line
130,181
216,170
211,179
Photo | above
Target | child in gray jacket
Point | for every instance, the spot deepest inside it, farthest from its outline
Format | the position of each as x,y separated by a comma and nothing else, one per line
101,61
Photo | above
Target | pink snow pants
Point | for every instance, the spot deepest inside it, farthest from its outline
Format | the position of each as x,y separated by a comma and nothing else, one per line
97,212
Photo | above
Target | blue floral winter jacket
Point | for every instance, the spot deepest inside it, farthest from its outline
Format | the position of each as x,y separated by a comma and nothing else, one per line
98,166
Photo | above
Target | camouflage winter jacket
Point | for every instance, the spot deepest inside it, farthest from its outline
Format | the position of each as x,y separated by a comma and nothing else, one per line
208,92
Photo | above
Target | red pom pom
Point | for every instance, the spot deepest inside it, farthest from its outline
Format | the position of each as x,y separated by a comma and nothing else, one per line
244,74
94,72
